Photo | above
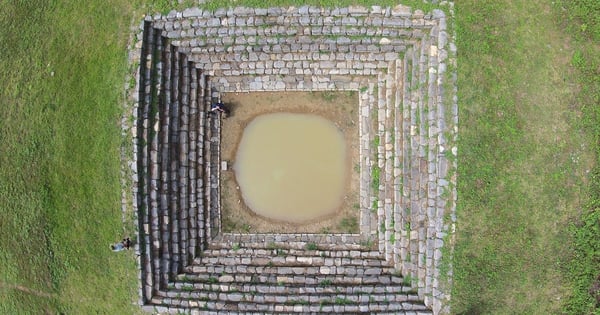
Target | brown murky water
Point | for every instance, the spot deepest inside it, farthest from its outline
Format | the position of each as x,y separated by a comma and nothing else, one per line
291,167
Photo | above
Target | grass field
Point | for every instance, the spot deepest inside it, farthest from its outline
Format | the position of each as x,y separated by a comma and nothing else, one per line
63,67
527,149
528,177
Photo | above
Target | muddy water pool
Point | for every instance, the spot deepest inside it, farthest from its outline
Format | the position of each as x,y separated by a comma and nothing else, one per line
291,167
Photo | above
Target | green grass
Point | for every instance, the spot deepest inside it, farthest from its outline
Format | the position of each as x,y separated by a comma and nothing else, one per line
582,268
524,157
63,73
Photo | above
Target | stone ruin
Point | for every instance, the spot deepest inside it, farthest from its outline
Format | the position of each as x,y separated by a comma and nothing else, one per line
397,59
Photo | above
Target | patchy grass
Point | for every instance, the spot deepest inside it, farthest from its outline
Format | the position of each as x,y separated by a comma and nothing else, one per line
212,5
580,18
524,159
349,224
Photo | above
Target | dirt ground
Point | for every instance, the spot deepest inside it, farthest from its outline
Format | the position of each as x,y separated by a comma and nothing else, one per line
339,107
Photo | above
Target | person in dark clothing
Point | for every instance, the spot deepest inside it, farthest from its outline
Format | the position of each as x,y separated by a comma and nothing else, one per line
219,107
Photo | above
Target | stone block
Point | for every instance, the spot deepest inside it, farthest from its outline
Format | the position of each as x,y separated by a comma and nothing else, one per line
401,11
192,12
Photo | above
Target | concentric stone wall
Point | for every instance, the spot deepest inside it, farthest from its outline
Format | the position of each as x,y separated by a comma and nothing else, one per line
396,59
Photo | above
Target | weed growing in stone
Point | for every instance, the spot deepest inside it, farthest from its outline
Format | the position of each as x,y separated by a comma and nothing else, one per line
311,246
325,282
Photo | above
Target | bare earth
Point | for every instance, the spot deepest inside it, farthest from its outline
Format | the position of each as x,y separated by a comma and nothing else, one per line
338,107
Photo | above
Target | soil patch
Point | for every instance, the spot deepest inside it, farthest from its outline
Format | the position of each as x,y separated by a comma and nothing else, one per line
341,108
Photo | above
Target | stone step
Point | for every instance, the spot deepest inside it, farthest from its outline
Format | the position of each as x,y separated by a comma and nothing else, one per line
251,82
153,167
338,70
198,115
319,54
213,220
368,202
162,182
147,237
323,248
288,258
293,274
405,202
331,242
273,27
298,276
183,179
301,50
375,16
192,210
208,219
283,45
360,250
233,304
360,12
320,239
202,149
400,221
434,212
260,301
325,287
379,158
298,67
171,227
414,154
387,170
424,150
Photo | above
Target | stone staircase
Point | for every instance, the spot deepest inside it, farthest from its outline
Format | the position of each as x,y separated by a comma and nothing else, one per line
396,59
177,156
291,273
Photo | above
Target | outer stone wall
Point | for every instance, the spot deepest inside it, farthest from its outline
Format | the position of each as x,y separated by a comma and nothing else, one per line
396,58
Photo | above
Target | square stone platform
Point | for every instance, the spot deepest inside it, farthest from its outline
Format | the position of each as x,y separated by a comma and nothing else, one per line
396,59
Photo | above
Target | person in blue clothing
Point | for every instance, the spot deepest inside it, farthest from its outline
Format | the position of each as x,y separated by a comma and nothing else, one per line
124,244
